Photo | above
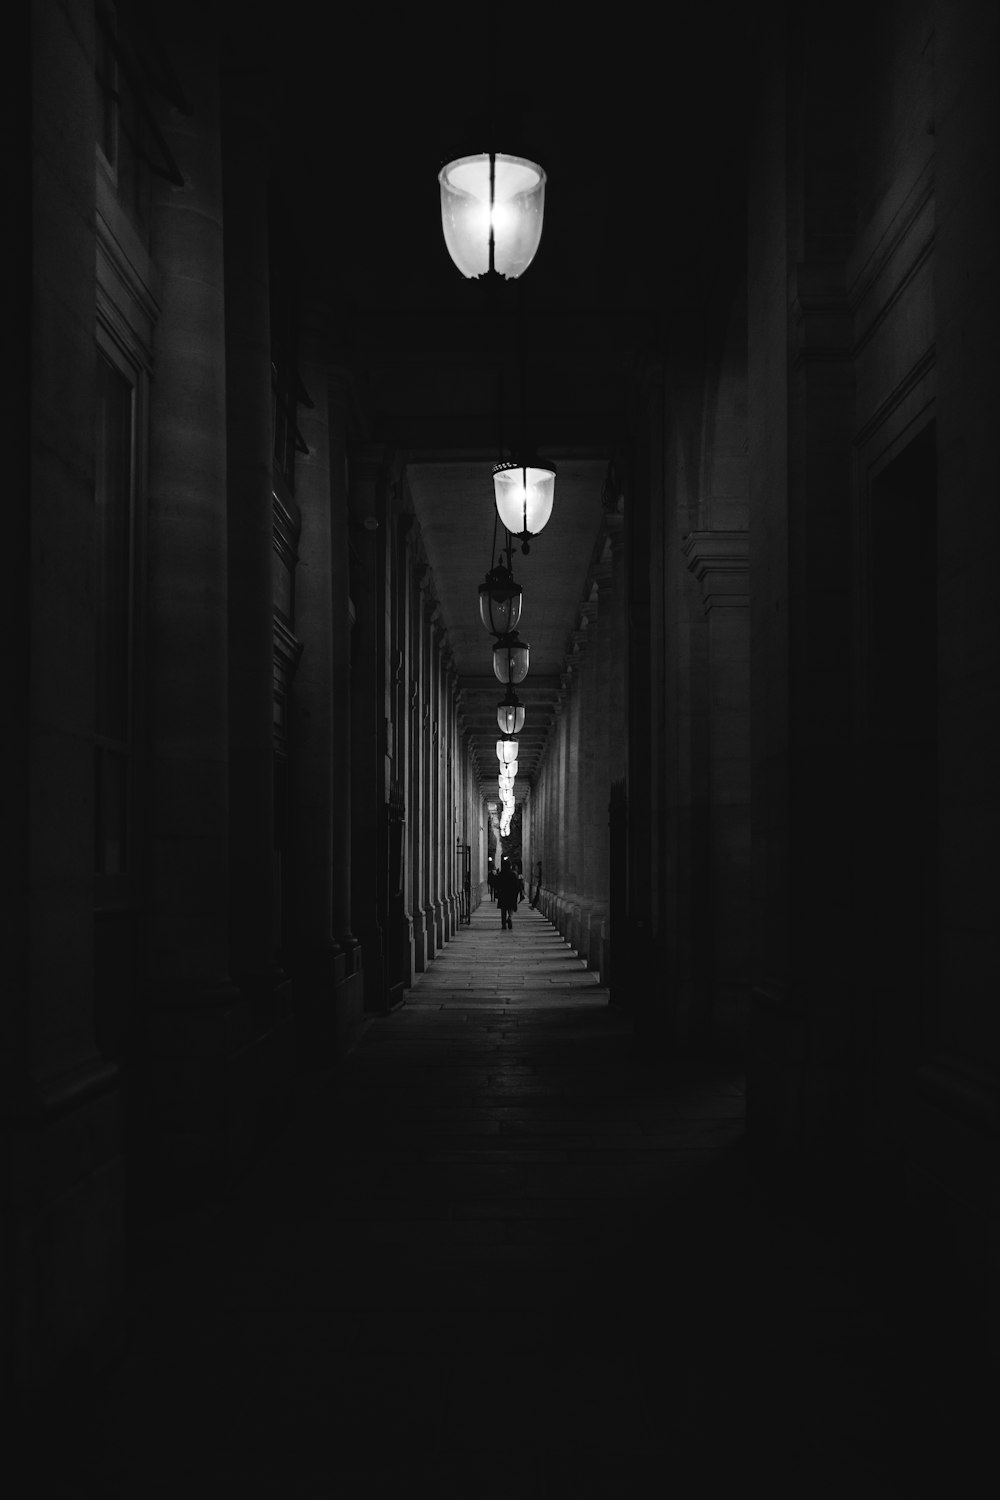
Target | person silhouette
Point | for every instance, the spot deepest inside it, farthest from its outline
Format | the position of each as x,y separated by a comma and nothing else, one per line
508,885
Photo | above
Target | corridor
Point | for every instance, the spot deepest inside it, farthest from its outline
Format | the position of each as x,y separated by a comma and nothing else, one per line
493,1257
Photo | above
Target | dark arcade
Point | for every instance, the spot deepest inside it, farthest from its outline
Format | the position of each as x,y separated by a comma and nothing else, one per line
501,866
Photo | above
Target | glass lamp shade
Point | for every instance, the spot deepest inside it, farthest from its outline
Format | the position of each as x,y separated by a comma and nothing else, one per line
506,750
524,493
510,659
510,714
500,601
492,196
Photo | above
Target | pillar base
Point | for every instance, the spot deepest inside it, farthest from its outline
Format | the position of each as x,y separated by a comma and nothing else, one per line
431,943
418,931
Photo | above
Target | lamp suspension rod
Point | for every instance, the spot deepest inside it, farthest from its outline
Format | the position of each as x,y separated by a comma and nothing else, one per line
522,374
493,168
491,126
493,549
509,548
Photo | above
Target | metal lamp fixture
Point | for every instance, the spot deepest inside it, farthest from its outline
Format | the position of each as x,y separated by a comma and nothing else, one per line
510,712
507,750
510,659
524,492
492,207
500,601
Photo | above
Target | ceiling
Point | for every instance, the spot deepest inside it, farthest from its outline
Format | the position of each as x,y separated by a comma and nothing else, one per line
640,136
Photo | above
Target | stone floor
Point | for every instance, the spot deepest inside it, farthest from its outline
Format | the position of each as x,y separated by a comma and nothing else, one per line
493,1257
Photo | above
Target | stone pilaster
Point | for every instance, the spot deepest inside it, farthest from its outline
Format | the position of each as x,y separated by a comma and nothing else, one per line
254,882
427,771
61,1158
719,561
368,723
618,696
437,778
318,960
199,1027
801,417
597,836
349,978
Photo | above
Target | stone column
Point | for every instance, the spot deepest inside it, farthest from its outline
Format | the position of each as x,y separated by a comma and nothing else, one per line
61,1182
404,739
417,798
454,827
447,810
437,777
318,961
198,1026
618,697
596,860
574,796
427,768
250,543
348,975
563,809
802,423
368,723
719,561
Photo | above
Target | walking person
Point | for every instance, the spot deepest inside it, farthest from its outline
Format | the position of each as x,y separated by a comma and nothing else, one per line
508,885
538,888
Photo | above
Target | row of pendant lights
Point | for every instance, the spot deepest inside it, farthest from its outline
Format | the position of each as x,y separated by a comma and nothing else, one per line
500,612
492,207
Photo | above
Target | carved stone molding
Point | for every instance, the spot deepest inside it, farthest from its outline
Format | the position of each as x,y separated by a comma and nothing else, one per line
720,562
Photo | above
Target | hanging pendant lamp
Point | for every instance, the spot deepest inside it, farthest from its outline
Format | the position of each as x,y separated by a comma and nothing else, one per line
492,207
510,713
510,659
524,492
500,601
